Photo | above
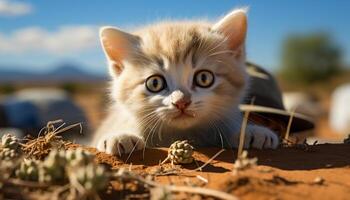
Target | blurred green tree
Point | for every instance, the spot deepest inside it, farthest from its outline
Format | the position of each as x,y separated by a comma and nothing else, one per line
310,58
70,88
7,89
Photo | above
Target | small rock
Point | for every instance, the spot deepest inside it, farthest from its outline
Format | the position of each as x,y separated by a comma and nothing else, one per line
318,180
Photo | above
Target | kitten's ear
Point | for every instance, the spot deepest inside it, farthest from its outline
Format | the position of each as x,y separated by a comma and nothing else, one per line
234,27
117,45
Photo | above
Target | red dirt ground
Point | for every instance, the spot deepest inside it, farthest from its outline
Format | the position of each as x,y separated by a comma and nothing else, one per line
286,173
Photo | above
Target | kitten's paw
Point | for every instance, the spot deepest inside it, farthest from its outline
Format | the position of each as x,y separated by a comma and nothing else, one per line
120,144
261,138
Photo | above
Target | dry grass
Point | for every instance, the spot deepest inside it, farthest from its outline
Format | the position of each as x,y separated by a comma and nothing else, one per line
242,134
48,138
286,135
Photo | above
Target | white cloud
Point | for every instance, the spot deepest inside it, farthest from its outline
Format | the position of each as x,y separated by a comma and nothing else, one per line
66,39
13,8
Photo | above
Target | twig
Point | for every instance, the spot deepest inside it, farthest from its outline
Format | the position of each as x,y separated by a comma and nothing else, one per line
22,183
242,134
286,136
202,179
133,149
243,130
57,193
68,127
211,159
122,174
201,191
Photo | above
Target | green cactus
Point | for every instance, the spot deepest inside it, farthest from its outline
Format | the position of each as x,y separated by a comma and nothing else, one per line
180,152
8,154
53,167
28,170
78,157
9,141
92,177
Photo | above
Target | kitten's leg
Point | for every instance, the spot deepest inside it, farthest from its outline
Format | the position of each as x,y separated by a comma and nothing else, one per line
256,136
120,143
117,135
260,137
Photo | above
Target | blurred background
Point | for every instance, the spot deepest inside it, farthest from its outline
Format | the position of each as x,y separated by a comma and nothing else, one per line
52,67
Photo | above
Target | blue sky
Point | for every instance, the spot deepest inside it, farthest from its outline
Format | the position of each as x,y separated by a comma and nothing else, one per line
39,34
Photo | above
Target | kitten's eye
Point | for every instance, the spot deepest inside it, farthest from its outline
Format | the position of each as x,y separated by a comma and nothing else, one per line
155,83
204,78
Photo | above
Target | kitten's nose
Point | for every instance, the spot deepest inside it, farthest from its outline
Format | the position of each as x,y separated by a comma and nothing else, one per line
180,100
182,105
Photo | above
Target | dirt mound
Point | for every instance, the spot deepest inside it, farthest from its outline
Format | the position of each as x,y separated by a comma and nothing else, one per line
321,172
290,172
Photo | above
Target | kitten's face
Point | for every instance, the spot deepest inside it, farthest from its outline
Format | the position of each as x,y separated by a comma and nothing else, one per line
178,74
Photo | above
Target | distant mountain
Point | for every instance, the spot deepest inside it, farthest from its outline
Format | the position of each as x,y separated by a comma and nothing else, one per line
62,73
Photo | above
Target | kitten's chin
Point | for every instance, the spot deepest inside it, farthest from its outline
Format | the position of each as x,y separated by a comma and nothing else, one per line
181,124
182,121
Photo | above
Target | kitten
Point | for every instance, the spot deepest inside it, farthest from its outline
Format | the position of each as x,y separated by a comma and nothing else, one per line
175,81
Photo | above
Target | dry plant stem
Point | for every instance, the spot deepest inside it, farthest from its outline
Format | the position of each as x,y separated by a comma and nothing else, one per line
49,124
201,191
211,159
286,136
132,151
22,183
165,160
174,188
204,180
75,184
42,144
57,193
69,127
242,134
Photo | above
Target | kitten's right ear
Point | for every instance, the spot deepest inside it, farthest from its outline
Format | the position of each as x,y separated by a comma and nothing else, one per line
117,45
234,27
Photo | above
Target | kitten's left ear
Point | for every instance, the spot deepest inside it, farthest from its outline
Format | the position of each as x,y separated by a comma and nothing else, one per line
234,27
118,45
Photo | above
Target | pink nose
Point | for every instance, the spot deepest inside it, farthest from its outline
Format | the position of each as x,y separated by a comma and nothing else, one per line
182,104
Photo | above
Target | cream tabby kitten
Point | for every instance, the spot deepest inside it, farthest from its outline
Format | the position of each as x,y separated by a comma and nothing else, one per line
175,81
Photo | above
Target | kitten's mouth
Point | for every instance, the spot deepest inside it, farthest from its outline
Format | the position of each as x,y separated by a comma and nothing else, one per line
185,114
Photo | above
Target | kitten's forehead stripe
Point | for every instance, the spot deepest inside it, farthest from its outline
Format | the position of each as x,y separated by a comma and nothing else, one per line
177,42
159,61
192,47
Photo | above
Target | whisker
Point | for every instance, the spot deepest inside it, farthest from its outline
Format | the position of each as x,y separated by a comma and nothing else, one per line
220,52
144,149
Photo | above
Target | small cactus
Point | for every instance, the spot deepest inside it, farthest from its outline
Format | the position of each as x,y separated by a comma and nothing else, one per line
28,170
9,141
243,162
78,157
92,177
180,152
8,154
53,167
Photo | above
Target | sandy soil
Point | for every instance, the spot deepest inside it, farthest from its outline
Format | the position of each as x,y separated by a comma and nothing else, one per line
320,172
